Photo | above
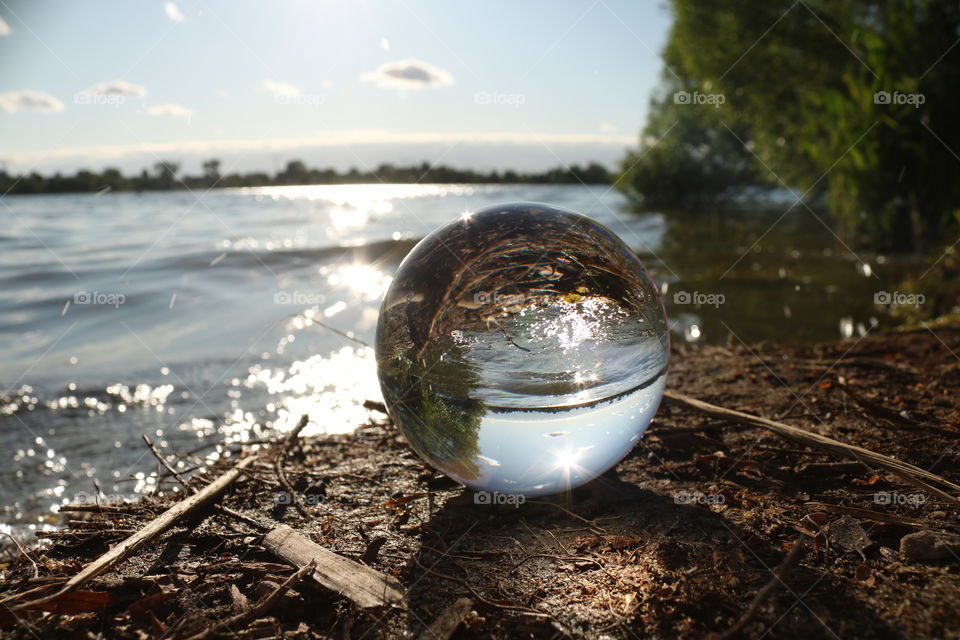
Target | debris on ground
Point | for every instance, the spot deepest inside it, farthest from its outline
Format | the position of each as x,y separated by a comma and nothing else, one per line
711,527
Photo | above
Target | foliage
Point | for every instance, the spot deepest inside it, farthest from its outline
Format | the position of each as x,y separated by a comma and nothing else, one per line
850,98
687,158
443,426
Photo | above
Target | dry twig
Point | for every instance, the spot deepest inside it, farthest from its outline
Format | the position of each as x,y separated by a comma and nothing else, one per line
257,611
152,530
778,578
909,473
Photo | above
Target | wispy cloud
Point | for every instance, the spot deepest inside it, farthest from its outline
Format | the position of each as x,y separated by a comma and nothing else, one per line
5,29
29,100
408,74
173,12
171,110
281,89
118,88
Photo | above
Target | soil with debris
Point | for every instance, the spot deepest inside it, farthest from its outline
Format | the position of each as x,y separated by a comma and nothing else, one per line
677,542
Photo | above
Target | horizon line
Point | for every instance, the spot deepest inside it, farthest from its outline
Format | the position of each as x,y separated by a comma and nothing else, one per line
317,141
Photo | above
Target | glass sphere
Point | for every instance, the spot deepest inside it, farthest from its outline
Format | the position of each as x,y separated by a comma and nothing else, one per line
522,349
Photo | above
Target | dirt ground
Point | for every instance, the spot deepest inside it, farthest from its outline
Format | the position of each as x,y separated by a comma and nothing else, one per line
676,542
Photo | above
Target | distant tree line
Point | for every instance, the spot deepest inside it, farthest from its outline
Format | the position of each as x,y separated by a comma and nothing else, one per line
166,175
850,103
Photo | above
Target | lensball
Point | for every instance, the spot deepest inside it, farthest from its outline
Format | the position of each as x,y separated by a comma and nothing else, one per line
522,349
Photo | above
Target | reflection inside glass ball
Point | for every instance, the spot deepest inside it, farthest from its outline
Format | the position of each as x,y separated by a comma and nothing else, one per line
522,349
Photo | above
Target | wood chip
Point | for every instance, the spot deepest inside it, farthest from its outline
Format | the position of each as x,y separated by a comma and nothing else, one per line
364,586
448,621
240,602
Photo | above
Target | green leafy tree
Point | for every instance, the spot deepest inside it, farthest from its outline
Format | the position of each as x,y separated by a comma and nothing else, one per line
166,173
443,426
690,155
211,171
854,99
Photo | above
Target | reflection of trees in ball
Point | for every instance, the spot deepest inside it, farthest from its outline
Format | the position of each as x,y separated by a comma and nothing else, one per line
443,426
462,279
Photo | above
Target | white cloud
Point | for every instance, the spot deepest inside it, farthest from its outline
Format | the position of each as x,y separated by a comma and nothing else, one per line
407,74
172,110
5,29
118,88
28,100
281,89
173,12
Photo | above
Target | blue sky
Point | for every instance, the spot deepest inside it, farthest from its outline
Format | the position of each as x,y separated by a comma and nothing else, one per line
355,82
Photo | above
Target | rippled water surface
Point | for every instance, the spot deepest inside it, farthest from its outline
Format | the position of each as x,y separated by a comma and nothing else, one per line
195,318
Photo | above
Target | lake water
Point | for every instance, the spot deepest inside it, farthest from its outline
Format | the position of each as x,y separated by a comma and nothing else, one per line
199,318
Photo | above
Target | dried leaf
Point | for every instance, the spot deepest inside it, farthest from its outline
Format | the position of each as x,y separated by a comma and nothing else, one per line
846,534
156,604
74,602
394,502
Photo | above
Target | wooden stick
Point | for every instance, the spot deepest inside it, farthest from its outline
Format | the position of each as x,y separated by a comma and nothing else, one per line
765,592
365,586
907,472
448,621
191,489
167,519
98,508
